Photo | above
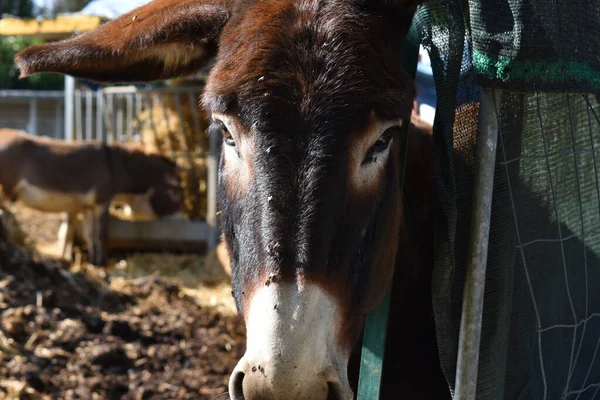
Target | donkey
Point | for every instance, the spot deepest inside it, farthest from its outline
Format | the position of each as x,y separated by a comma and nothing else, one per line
309,97
84,177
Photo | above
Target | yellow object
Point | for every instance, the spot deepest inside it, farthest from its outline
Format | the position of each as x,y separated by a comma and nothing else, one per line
61,26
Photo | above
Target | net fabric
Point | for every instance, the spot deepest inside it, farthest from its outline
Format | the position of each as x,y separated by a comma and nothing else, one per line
525,45
541,324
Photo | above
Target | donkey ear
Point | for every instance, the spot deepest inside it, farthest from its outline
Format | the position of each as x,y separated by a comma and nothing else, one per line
160,40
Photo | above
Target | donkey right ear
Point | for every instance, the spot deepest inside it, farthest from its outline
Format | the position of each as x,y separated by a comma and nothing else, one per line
160,40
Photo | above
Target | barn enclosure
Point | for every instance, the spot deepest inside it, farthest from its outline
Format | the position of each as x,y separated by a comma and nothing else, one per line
164,119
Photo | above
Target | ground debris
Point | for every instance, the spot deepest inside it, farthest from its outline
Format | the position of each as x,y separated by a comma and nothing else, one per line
69,335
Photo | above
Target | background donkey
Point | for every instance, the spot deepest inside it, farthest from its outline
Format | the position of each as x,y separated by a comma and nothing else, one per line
84,177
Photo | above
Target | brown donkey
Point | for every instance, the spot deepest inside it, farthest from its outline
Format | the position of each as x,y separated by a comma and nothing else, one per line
84,177
309,97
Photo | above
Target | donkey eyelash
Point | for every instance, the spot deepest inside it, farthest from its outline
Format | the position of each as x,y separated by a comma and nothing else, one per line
381,145
218,128
215,128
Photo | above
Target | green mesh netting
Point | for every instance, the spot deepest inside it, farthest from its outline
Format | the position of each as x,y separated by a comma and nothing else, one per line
546,45
541,323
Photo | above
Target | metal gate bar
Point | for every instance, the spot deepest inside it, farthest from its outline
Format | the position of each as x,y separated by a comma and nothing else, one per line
472,307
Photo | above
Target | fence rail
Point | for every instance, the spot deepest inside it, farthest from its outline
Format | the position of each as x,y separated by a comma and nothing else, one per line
34,111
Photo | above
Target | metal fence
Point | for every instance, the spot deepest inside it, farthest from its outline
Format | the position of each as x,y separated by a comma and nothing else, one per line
38,112
168,119
112,114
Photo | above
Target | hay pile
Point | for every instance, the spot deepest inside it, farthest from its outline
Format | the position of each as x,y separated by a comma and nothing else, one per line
193,177
205,279
169,128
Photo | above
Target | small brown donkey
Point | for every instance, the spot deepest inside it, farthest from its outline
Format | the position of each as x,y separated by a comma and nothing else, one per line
84,177
309,97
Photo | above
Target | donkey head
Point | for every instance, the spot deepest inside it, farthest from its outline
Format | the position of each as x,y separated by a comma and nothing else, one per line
166,194
149,182
309,96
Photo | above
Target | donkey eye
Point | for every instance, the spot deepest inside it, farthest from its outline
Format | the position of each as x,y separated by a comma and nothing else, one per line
380,145
219,128
383,142
227,135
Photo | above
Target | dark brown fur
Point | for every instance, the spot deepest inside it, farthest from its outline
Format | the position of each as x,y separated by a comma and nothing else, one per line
75,169
302,78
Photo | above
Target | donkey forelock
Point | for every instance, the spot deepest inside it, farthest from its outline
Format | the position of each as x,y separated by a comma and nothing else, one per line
309,96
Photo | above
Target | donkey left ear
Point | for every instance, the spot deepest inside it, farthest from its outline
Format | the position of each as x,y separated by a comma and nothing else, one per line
160,40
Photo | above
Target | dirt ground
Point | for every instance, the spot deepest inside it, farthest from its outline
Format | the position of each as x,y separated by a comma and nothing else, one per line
135,331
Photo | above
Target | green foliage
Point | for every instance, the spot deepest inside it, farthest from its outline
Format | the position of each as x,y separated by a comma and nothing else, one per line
17,8
9,74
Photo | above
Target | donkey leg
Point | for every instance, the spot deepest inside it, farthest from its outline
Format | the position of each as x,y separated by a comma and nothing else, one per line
66,236
62,234
96,221
72,226
88,230
8,194
101,238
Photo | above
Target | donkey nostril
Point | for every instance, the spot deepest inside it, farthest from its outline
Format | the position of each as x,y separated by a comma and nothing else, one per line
236,387
334,391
